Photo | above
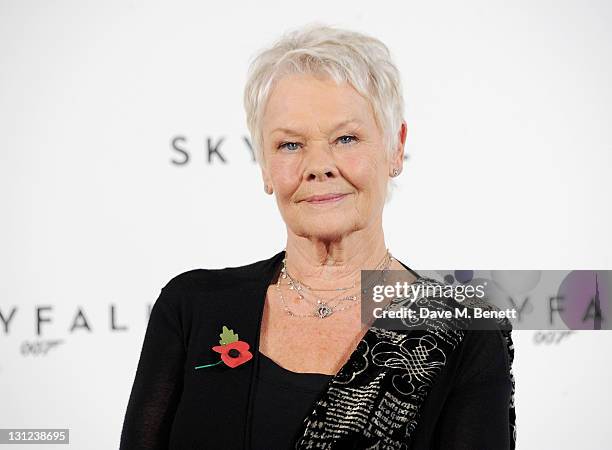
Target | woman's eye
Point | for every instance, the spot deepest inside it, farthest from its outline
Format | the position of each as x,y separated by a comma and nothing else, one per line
291,146
347,139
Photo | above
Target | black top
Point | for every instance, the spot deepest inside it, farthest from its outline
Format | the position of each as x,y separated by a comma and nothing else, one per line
282,400
173,406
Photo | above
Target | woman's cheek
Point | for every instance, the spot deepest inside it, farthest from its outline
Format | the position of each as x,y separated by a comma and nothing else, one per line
363,173
283,175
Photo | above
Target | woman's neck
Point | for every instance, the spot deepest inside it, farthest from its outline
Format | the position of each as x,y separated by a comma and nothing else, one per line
324,264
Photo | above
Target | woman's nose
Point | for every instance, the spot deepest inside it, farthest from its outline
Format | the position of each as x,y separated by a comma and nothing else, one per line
320,163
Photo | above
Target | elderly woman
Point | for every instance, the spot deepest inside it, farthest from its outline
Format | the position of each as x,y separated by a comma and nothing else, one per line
274,354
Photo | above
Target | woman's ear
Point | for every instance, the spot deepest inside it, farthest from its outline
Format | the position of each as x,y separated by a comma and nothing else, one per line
397,159
268,189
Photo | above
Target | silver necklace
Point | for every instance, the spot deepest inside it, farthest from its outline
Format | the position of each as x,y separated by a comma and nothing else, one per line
302,289
324,307
300,285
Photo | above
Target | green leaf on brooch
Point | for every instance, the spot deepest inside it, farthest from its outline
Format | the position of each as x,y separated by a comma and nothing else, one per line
227,336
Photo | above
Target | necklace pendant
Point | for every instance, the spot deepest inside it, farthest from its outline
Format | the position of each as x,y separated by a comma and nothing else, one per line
324,311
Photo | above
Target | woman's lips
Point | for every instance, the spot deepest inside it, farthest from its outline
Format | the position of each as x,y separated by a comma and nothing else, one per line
327,198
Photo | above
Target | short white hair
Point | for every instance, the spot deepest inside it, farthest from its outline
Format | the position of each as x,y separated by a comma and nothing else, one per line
362,61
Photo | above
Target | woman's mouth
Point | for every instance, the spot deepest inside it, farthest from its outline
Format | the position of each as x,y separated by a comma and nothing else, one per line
325,198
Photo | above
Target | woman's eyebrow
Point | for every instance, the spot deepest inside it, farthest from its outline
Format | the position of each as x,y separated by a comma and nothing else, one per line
296,132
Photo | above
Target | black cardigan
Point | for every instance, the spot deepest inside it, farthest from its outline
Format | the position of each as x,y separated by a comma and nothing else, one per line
466,404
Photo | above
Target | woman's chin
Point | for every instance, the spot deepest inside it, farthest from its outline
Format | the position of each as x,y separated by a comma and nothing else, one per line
327,228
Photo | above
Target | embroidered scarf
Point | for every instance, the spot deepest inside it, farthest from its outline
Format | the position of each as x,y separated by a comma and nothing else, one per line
374,401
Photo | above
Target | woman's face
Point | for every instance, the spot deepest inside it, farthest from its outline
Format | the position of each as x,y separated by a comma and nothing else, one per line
321,139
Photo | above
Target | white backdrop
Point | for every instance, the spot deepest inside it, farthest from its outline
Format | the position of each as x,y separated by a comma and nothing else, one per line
509,108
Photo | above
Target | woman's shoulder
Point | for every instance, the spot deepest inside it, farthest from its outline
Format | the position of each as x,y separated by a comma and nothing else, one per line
487,354
489,346
204,282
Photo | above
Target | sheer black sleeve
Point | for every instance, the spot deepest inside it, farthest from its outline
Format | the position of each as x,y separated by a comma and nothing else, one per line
477,412
158,381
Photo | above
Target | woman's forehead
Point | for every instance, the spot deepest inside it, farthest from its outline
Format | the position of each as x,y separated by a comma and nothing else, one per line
299,100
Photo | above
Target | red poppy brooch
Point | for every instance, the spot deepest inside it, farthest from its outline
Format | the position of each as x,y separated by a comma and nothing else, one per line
233,351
